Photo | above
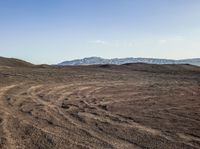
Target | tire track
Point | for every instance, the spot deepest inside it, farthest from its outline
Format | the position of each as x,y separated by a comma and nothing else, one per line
11,144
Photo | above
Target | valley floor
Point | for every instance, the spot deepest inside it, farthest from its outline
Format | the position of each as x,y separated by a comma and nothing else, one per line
135,106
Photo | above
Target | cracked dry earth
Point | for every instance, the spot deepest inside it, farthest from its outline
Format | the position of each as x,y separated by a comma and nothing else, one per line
135,106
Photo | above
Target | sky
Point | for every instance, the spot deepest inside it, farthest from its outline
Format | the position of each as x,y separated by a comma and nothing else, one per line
52,31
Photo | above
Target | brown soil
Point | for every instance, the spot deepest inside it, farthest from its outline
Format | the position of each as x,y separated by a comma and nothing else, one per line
130,106
12,62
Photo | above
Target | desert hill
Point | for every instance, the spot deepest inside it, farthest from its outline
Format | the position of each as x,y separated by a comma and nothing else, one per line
12,62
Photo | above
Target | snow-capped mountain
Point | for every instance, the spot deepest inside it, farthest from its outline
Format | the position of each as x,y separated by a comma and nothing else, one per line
119,61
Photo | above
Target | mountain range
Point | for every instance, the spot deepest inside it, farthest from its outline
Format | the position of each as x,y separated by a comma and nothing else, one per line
120,61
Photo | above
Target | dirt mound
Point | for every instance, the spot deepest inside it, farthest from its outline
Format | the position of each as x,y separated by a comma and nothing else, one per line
165,68
12,62
105,66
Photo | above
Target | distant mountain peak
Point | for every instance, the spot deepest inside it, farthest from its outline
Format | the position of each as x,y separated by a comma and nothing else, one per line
119,61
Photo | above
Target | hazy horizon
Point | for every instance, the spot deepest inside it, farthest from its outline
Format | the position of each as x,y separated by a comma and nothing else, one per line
51,31
61,61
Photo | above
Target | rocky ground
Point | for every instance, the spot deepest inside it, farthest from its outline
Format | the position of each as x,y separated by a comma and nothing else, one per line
132,106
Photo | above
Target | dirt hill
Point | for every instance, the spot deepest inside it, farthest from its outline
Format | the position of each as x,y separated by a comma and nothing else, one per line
12,62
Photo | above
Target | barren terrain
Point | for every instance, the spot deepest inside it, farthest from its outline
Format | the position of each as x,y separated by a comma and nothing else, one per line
132,106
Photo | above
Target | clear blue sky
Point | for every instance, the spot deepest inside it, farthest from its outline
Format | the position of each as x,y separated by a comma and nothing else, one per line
51,31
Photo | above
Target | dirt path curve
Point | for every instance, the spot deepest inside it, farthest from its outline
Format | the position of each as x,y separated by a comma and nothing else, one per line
10,142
